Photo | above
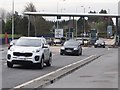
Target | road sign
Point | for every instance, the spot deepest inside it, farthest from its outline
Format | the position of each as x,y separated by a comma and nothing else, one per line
58,33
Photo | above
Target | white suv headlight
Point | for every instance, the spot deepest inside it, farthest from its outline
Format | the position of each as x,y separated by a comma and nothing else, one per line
62,48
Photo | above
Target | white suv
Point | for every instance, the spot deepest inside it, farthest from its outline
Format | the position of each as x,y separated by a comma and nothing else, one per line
29,50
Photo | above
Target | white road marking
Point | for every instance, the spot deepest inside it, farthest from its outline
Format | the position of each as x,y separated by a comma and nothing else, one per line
24,84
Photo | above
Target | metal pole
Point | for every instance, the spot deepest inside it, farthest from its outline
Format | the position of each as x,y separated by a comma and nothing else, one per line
28,25
69,26
13,20
117,41
76,24
84,26
57,6
84,23
35,25
57,23
76,28
57,12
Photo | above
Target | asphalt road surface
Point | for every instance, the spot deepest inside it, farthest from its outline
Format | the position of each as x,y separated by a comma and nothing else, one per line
12,77
101,73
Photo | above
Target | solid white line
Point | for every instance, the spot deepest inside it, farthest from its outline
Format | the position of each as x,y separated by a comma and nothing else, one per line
22,85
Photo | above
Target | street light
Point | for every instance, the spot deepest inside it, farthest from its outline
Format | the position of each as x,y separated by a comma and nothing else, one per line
83,20
58,11
62,9
108,11
76,24
13,20
58,5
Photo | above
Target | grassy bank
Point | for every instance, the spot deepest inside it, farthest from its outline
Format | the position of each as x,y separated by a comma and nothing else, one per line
10,36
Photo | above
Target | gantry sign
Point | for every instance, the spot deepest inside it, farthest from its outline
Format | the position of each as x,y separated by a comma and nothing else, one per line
59,15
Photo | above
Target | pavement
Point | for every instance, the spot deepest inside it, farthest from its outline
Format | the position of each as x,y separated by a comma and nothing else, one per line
3,47
101,73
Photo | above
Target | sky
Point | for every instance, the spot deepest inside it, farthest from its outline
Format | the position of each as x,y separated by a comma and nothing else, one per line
64,6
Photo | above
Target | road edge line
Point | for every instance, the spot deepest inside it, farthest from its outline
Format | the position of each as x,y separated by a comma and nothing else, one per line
80,63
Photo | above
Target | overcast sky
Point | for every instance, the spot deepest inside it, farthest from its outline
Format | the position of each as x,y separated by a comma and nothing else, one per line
71,6
67,6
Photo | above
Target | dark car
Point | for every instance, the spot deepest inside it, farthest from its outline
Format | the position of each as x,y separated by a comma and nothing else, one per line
99,43
71,47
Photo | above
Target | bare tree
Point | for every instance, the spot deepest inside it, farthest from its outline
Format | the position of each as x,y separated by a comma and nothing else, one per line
32,21
30,8
2,13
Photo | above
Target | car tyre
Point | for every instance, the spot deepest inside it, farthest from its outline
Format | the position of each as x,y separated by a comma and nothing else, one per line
9,64
81,53
78,53
95,46
41,63
49,62
61,53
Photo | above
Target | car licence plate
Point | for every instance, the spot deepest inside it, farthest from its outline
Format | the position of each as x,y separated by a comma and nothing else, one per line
68,51
21,58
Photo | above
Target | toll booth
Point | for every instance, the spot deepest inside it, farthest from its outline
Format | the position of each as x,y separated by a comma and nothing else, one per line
93,36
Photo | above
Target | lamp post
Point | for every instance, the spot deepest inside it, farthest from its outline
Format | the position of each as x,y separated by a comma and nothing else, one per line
58,5
83,21
108,11
28,25
76,24
58,11
13,20
62,9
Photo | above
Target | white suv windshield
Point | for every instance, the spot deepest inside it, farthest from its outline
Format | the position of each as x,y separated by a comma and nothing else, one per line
28,42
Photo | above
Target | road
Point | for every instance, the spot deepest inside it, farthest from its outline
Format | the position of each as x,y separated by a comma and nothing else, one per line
12,77
101,73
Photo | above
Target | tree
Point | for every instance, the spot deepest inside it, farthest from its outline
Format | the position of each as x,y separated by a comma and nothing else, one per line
80,24
3,26
101,23
103,11
38,25
30,8
8,26
2,13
